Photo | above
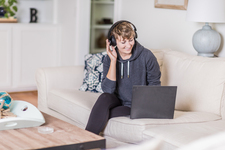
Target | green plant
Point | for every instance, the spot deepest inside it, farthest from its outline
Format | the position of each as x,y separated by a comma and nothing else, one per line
9,6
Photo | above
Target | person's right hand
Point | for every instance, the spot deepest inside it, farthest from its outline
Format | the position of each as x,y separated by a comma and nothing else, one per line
112,54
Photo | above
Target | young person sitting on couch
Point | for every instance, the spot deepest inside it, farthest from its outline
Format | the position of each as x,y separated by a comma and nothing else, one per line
127,63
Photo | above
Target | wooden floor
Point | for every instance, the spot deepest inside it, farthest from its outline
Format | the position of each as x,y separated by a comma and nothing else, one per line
30,96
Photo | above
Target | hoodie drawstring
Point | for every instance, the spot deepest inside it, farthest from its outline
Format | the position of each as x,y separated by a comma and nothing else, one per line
128,69
121,70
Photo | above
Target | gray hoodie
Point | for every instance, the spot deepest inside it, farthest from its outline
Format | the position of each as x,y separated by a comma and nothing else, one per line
141,68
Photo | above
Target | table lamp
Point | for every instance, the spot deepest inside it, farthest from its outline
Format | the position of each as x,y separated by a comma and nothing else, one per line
206,41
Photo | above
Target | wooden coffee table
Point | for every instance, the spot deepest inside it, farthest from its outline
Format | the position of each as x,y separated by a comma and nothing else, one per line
65,136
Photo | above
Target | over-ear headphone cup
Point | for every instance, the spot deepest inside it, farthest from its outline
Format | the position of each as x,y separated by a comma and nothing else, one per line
112,40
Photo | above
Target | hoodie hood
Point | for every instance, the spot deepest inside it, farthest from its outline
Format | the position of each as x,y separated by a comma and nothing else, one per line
136,51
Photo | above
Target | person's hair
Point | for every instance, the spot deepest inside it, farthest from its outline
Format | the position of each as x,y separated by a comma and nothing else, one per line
125,30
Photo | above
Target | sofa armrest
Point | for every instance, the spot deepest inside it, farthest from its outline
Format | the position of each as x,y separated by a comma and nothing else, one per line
57,77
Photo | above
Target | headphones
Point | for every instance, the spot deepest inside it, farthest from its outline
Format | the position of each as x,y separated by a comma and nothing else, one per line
112,39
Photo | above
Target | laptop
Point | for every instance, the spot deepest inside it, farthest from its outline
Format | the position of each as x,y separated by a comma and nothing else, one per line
156,102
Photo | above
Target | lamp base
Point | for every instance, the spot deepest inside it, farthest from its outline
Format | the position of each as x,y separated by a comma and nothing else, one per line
206,54
206,41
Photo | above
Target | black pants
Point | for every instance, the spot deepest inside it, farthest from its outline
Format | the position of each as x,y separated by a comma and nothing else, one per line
107,106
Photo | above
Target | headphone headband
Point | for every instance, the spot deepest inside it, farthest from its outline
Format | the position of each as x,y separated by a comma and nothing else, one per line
111,38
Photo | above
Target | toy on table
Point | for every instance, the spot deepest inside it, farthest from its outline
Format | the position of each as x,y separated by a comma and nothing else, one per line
5,102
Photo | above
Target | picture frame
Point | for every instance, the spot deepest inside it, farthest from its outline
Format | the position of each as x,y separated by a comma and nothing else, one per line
172,4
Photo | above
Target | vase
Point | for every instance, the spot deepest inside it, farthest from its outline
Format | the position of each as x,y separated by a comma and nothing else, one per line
101,41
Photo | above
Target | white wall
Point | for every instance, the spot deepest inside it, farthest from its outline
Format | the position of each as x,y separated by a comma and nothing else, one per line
163,28
66,17
83,10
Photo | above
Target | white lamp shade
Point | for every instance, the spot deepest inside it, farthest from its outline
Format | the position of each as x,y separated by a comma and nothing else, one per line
206,11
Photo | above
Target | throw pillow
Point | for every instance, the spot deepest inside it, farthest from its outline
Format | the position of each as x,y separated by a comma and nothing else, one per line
93,72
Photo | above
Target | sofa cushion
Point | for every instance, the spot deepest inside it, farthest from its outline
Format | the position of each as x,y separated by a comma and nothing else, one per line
93,72
179,135
124,129
158,53
200,81
74,104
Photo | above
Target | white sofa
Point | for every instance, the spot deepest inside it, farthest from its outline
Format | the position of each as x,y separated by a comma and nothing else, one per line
199,106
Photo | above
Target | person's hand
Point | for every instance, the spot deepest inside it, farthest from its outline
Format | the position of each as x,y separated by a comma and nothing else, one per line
112,54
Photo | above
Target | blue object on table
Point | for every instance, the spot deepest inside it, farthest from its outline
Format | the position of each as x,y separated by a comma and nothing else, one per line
5,97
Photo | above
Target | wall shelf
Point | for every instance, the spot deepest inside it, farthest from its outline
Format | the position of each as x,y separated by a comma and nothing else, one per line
103,2
101,26
100,10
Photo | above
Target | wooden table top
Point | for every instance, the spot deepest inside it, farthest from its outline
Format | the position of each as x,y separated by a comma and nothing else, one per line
29,138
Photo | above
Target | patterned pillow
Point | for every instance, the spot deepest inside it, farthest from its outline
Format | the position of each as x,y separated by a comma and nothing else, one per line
93,72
